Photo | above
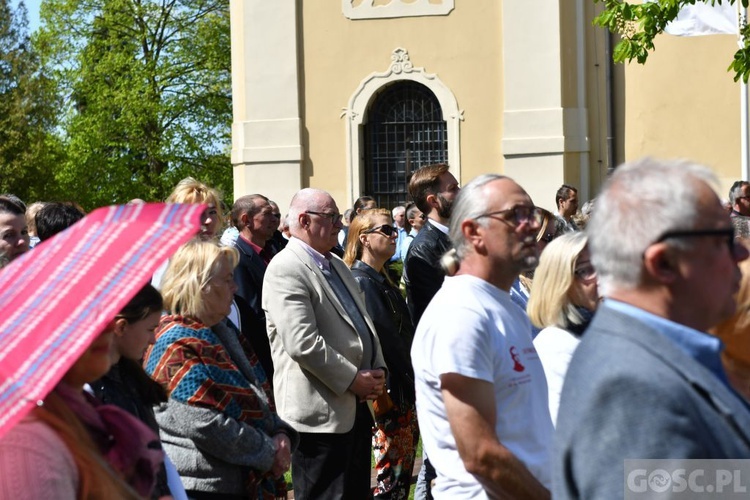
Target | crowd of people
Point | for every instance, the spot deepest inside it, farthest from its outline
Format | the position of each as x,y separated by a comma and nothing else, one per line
532,352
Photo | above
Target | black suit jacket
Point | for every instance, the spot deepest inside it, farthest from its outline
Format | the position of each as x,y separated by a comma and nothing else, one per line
423,275
249,276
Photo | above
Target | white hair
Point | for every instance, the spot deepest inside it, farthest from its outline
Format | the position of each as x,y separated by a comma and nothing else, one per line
397,210
470,203
308,199
640,202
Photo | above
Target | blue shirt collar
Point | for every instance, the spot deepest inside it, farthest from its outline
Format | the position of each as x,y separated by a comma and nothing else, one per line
702,347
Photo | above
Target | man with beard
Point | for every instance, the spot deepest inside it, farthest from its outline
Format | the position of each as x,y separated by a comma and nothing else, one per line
433,189
482,403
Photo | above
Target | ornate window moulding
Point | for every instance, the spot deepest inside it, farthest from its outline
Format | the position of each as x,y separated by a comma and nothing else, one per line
384,9
401,68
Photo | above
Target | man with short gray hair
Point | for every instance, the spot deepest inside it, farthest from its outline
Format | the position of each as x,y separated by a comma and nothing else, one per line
646,381
326,354
482,395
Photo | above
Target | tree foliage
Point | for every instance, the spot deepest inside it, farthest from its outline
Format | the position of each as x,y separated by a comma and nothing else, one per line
147,94
639,23
28,152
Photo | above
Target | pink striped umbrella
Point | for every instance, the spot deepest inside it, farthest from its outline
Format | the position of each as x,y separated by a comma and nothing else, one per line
58,297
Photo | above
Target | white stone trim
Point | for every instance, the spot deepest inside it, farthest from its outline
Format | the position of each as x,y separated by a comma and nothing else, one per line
395,8
267,149
543,131
401,69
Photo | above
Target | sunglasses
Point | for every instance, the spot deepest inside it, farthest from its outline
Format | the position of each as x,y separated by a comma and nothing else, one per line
385,230
517,215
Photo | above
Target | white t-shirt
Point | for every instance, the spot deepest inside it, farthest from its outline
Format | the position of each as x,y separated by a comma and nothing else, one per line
555,347
474,329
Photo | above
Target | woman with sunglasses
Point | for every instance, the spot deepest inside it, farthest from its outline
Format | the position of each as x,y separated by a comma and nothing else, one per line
563,300
371,243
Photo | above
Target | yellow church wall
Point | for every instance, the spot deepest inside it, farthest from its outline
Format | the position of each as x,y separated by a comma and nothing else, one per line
683,104
462,49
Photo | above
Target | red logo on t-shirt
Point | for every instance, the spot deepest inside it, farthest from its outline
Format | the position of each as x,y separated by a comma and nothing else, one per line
517,366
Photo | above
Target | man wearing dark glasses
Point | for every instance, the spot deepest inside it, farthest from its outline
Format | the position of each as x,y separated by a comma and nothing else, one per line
647,381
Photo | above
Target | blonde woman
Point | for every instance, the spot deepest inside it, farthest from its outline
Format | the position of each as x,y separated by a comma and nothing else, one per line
563,299
219,425
371,243
190,190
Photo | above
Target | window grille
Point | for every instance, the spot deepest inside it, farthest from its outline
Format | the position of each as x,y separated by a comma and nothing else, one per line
405,131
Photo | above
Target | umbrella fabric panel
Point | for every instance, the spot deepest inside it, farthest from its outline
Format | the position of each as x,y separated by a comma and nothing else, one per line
56,299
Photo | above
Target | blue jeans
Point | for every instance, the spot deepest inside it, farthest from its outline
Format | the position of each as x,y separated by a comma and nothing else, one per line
423,490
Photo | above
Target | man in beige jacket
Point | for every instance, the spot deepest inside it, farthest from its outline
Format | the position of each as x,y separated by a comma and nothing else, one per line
327,356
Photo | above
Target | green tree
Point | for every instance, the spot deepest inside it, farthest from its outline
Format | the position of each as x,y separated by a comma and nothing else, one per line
639,23
28,152
148,94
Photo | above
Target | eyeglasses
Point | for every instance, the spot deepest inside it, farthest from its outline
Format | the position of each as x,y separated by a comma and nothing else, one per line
335,218
728,233
385,229
518,215
585,273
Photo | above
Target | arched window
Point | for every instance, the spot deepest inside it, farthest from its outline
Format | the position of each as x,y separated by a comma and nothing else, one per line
405,131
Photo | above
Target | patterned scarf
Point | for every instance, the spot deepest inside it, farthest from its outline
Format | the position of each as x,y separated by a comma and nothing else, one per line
208,378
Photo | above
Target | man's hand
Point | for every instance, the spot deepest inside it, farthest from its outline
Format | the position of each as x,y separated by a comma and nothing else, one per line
368,384
283,456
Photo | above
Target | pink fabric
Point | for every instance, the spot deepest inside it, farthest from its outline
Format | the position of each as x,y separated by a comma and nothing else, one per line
128,444
35,463
81,278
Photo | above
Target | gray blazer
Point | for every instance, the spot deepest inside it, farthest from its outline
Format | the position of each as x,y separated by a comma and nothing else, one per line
631,393
315,347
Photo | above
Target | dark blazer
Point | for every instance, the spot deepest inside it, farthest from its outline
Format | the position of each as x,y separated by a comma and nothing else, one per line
253,327
632,393
388,311
249,276
423,275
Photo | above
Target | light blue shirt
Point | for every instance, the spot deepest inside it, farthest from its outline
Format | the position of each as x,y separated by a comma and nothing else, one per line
399,243
702,347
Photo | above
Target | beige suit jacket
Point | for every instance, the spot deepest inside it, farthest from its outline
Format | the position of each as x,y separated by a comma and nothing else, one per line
315,347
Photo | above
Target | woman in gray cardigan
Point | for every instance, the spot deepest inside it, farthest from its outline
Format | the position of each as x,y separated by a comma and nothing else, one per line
219,425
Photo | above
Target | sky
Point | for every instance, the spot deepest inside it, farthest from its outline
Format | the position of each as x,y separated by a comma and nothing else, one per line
33,8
